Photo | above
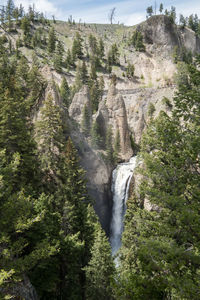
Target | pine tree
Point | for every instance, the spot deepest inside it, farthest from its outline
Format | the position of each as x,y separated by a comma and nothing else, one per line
116,147
58,58
94,95
85,124
69,62
51,40
9,13
137,41
149,11
108,144
35,84
77,48
75,222
65,92
93,44
83,73
97,140
130,70
3,16
49,137
161,8
100,270
101,49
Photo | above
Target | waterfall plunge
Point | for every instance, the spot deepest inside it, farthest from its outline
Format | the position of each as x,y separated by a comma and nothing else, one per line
121,178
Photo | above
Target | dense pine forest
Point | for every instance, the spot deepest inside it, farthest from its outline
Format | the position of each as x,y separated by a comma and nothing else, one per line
52,245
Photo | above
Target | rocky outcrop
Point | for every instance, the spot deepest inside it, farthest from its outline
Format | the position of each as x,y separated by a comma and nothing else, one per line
80,100
161,31
190,40
112,112
118,120
21,290
137,105
97,175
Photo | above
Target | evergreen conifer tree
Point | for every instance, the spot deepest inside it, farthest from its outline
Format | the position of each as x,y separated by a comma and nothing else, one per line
77,48
49,137
65,92
109,147
100,270
51,40
116,147
85,124
95,135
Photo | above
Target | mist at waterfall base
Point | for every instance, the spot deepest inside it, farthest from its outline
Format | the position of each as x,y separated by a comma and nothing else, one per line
121,178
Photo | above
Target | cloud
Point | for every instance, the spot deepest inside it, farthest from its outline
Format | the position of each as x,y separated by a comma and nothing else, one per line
45,6
129,12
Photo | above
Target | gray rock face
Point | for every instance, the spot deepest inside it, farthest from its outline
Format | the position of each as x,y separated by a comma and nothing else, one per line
113,112
137,106
190,40
159,30
98,178
79,101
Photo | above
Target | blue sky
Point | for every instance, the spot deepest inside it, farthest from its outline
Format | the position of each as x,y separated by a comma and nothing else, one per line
129,12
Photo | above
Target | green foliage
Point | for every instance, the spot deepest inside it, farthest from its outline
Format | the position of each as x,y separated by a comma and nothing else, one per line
137,41
160,248
96,137
85,124
51,46
135,147
117,147
77,48
130,70
172,14
181,77
49,136
100,270
182,21
101,49
84,73
69,61
58,58
167,103
93,44
151,109
149,11
65,92
9,13
193,22
113,56
108,144
161,8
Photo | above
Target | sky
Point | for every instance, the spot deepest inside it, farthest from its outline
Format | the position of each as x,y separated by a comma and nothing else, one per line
128,12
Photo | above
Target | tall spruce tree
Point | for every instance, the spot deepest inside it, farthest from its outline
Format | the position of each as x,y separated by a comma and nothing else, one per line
51,40
65,92
49,136
101,269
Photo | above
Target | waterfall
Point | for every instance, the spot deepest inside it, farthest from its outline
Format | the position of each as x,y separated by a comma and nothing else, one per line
121,178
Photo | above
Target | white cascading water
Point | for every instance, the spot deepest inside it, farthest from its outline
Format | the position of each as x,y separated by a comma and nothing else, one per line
121,178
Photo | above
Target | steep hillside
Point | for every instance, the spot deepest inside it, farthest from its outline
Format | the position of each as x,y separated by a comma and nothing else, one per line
76,101
128,100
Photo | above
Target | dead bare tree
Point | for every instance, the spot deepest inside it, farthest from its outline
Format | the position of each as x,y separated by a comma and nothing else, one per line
111,15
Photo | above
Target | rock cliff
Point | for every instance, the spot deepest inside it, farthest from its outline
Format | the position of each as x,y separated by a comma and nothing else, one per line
124,107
